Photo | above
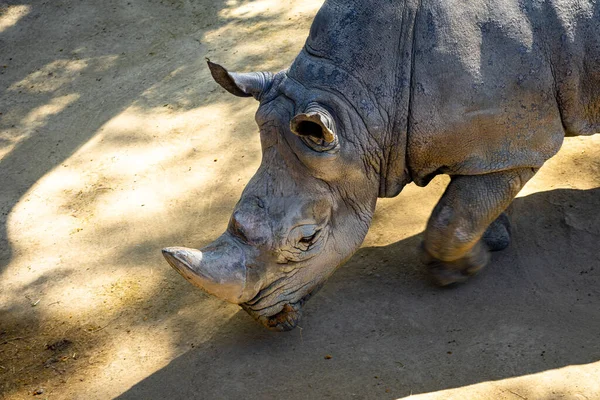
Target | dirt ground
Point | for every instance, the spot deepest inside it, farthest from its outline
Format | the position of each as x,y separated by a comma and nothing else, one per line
115,142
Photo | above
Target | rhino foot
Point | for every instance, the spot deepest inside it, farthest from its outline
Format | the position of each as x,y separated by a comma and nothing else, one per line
497,235
444,273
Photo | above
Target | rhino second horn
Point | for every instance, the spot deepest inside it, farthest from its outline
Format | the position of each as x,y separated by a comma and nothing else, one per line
210,273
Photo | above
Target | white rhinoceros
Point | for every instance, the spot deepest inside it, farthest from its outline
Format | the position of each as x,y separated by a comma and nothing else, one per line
387,92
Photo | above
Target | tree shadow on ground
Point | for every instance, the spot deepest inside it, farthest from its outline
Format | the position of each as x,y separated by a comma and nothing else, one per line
390,334
67,70
56,101
367,318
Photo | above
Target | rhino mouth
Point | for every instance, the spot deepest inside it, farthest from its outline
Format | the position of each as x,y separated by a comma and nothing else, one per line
284,320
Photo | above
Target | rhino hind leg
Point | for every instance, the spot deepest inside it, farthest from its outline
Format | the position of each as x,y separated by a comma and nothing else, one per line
468,221
497,235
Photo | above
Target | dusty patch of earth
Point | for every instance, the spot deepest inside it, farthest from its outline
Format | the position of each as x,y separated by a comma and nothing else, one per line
115,142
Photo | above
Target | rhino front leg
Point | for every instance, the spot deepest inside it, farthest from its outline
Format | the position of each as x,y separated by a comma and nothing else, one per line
453,248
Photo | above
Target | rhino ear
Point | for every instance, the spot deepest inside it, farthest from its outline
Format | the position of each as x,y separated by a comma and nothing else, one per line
241,84
316,124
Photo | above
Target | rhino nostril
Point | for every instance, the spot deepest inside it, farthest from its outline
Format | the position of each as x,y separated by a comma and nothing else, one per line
237,229
249,223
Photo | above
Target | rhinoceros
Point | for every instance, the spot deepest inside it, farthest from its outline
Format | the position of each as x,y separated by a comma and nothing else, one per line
385,93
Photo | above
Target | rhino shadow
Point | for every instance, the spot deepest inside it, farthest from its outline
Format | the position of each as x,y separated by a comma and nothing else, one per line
378,329
119,73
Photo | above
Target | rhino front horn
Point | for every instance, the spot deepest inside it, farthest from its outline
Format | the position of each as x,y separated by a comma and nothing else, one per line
217,269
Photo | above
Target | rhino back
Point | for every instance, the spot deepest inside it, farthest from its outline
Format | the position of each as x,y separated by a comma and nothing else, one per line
573,40
497,84
446,87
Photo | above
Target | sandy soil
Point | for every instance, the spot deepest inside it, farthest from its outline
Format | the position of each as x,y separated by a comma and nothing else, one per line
114,142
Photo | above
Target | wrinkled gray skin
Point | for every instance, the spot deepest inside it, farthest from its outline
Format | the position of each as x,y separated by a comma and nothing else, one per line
390,92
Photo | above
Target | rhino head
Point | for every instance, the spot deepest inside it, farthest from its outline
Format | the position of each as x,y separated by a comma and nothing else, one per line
306,210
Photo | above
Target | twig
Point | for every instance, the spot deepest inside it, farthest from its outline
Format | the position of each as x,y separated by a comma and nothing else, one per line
13,339
97,330
33,304
517,394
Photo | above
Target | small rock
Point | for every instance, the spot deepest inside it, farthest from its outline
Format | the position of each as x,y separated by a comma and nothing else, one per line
59,345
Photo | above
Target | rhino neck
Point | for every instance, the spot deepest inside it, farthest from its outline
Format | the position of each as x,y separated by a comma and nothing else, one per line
364,52
385,136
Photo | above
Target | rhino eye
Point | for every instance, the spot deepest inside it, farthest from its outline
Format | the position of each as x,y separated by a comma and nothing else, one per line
303,237
309,239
